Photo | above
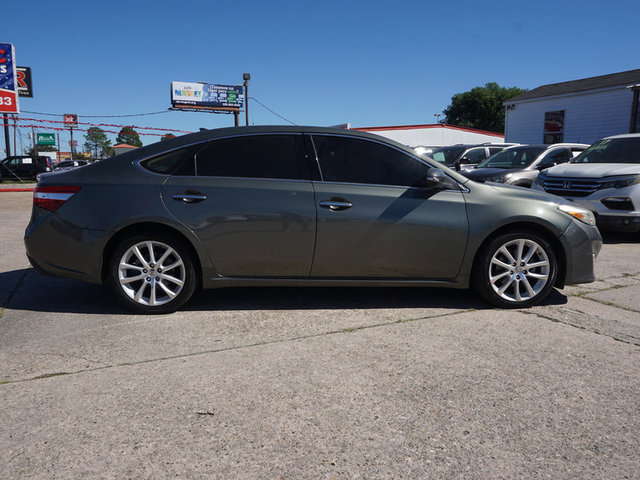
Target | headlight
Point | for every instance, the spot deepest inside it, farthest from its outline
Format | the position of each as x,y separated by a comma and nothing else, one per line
499,178
621,182
585,216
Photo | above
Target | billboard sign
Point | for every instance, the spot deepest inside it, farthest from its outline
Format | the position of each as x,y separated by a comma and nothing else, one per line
206,95
70,120
8,84
46,138
23,81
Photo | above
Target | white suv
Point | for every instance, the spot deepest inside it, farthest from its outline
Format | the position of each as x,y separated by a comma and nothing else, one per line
605,179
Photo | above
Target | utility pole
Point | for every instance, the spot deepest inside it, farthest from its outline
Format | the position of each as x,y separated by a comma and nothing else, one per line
7,142
35,148
246,77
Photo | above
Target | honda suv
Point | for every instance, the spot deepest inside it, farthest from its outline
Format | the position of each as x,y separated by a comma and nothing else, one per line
605,179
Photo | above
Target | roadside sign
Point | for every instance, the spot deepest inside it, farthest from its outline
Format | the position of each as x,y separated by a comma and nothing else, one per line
8,86
23,81
46,138
70,120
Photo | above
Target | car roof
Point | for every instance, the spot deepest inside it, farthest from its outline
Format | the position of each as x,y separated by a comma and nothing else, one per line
624,135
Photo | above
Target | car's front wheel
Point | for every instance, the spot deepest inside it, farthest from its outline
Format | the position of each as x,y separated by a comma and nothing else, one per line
152,273
515,270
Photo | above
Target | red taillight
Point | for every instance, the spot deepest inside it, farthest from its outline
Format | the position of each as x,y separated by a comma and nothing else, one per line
52,198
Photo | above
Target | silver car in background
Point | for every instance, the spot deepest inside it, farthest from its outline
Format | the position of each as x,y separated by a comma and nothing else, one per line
520,165
604,179
261,206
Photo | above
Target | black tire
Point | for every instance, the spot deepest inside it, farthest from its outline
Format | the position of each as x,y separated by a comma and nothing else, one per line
515,270
152,274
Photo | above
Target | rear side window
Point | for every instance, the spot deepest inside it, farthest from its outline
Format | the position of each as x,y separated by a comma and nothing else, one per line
256,156
353,160
168,163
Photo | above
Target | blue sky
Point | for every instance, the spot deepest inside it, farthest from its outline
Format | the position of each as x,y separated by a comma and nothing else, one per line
370,63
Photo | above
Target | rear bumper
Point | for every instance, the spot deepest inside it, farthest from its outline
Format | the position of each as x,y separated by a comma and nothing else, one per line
58,249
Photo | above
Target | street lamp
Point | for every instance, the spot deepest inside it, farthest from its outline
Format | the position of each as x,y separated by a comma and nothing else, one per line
246,77
437,115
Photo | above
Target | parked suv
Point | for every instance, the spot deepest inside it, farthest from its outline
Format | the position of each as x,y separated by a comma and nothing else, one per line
605,179
520,165
461,156
21,166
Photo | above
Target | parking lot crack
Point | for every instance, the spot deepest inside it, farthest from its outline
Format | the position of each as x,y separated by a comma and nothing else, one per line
235,347
629,340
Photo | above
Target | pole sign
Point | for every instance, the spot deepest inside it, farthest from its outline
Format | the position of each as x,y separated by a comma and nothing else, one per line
45,138
70,120
23,81
206,95
8,85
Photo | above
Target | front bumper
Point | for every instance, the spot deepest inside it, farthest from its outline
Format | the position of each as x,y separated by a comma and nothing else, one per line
582,245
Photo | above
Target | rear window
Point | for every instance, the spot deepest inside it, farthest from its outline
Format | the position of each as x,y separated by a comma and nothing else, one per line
612,150
168,163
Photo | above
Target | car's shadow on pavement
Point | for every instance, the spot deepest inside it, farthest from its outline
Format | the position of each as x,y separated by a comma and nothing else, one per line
26,290
613,238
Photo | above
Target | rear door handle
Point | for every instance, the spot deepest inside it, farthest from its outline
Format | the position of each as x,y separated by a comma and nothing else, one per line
336,204
190,197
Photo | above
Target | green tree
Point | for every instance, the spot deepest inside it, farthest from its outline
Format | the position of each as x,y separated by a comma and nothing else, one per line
167,136
129,136
97,143
481,107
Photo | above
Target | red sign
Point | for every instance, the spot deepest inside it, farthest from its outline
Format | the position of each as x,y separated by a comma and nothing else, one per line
71,119
8,102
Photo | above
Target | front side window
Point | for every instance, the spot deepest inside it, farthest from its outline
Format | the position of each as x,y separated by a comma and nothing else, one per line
475,155
255,156
559,156
512,158
353,160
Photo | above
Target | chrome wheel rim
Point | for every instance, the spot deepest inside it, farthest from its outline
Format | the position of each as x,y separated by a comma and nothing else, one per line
151,273
519,270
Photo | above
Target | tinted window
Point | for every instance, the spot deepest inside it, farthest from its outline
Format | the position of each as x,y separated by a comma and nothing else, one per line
258,156
512,158
352,160
169,162
447,155
560,156
475,155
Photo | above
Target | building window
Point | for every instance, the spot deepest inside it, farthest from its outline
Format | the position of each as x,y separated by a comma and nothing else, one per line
553,127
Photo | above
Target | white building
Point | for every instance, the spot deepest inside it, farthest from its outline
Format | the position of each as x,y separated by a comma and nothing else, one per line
580,111
434,135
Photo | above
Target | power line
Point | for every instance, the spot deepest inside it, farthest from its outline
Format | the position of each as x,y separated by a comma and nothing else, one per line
100,116
277,114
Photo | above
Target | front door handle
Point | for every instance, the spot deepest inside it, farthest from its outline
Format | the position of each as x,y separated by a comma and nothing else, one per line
190,196
336,204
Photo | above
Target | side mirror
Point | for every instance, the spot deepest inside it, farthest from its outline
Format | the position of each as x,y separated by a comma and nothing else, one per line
438,180
546,164
464,161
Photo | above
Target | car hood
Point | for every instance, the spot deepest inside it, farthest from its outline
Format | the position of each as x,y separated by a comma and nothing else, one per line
482,173
593,170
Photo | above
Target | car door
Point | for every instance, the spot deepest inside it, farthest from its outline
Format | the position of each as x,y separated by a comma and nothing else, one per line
250,201
375,219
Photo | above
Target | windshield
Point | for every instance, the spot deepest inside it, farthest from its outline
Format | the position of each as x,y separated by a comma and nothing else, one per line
512,158
614,150
447,155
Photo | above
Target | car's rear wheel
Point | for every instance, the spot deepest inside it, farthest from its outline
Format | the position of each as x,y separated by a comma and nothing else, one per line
516,270
152,273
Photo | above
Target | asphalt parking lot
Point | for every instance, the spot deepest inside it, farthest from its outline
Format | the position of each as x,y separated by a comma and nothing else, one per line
317,383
